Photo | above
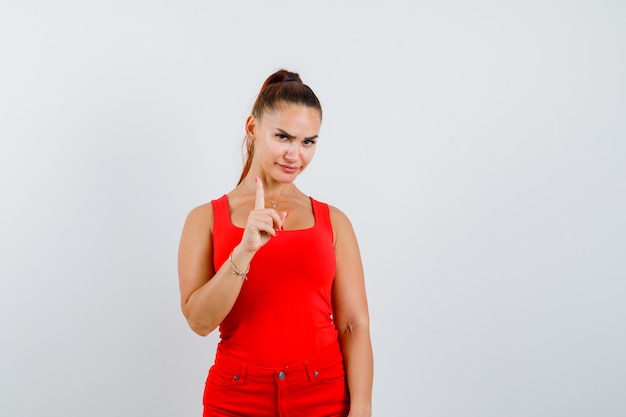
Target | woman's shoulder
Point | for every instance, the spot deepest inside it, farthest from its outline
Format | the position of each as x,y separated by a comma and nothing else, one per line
338,217
202,215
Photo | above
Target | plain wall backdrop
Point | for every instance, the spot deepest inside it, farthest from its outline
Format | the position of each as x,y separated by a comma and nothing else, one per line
478,148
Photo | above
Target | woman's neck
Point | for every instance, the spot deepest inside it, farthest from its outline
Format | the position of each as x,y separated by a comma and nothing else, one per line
274,190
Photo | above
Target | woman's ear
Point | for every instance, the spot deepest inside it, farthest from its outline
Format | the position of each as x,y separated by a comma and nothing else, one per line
251,124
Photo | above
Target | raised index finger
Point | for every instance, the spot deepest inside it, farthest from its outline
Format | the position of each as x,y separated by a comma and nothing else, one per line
259,202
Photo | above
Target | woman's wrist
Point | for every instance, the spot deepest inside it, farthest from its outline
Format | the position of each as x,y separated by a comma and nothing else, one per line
360,408
241,259
360,411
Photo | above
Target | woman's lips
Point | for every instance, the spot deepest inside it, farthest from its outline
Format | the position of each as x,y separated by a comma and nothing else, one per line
288,168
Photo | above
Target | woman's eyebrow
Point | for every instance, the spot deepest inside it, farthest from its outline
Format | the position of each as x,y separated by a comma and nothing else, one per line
290,136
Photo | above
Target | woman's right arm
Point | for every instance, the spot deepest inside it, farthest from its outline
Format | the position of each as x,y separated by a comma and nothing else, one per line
207,296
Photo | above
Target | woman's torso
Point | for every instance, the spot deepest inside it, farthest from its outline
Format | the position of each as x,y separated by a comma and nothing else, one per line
283,313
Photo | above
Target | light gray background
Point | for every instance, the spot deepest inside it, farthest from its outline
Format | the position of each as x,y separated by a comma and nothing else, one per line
478,148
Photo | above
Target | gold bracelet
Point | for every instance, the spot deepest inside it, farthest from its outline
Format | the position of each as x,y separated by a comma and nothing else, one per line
236,271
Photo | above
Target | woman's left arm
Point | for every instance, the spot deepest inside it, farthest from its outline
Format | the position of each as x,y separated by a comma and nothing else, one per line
351,316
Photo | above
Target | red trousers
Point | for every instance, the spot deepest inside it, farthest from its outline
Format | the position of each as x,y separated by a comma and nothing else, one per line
315,387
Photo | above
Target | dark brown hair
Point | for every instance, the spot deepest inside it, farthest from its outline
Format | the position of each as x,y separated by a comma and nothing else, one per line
280,88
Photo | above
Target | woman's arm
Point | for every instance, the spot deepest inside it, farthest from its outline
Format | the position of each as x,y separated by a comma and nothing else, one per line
207,296
351,316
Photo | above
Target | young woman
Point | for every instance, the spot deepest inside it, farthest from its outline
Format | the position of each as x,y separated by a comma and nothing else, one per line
280,274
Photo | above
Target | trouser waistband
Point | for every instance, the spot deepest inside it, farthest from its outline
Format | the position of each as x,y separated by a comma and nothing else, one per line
313,367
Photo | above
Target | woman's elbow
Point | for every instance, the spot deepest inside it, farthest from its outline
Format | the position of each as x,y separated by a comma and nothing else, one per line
352,327
201,329
199,326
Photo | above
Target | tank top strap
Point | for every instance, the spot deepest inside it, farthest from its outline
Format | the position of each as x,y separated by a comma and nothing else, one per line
221,213
322,215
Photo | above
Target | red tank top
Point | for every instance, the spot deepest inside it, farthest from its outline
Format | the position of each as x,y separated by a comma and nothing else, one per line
283,313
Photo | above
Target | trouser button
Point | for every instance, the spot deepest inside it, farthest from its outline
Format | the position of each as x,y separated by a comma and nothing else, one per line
281,375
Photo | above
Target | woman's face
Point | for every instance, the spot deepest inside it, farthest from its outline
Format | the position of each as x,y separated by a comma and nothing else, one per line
285,141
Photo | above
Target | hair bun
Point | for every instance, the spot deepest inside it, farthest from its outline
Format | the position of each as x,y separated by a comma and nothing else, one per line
281,76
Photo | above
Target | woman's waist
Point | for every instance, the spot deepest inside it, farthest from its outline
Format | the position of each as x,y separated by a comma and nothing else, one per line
272,349
309,366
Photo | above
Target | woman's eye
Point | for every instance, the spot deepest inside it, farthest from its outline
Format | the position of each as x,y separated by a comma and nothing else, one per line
281,136
309,142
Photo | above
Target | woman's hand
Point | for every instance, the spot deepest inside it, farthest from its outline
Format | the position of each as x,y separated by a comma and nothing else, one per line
263,223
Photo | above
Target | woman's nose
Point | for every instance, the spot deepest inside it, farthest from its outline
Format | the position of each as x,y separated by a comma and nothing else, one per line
292,151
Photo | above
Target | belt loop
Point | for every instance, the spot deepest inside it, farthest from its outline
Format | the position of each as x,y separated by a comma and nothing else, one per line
306,370
244,372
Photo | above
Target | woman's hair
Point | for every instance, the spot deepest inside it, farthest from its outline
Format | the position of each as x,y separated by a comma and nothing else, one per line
282,87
